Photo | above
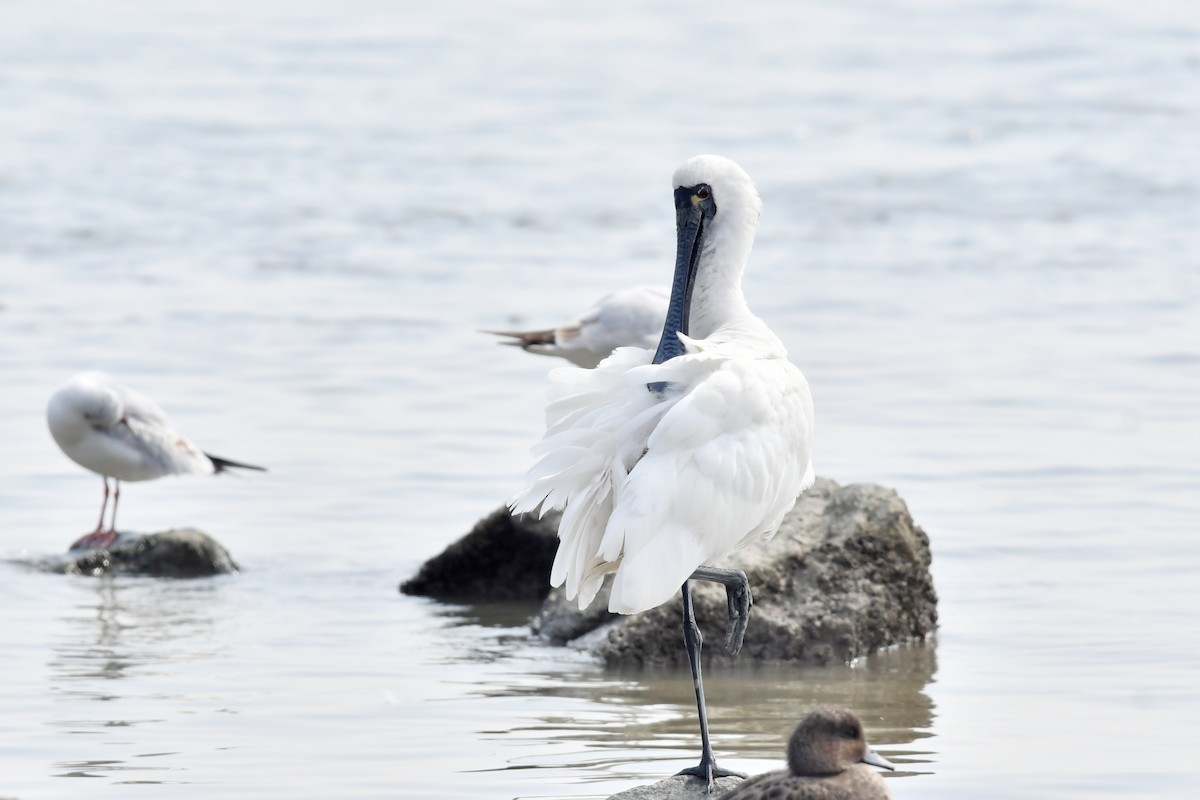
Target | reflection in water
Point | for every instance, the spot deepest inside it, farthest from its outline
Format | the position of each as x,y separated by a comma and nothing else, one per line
127,628
634,721
131,623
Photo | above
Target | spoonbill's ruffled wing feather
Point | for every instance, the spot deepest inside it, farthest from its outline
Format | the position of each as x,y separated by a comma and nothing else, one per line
656,484
721,468
593,438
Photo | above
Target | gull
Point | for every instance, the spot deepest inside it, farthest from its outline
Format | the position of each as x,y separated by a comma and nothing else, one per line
665,461
624,318
827,757
110,429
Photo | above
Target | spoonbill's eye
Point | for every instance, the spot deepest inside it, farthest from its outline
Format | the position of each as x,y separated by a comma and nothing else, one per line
704,193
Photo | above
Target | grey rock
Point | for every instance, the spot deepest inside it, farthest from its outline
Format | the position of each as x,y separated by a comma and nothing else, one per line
503,558
176,553
678,787
561,621
847,574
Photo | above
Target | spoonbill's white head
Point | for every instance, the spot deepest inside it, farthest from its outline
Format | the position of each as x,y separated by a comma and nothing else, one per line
716,216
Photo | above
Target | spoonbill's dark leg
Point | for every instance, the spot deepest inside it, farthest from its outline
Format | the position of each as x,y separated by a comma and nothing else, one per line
707,769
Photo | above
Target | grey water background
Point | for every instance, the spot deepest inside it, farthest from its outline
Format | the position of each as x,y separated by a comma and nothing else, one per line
287,221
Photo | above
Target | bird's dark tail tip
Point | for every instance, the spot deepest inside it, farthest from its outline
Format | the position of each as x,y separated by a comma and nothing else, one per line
224,464
526,339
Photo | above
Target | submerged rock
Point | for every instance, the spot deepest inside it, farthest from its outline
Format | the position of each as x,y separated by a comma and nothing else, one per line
176,553
678,787
847,574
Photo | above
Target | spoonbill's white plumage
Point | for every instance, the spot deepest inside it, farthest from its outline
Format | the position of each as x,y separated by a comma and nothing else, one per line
108,428
827,758
666,461
630,317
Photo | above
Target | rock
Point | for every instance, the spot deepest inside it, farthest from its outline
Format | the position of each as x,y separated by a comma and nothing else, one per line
503,558
560,620
177,553
678,787
847,574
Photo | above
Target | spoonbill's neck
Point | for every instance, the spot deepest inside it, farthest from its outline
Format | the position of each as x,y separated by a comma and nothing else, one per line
717,297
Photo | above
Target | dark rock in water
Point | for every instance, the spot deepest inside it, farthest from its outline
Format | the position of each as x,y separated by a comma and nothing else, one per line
178,553
678,787
502,558
847,574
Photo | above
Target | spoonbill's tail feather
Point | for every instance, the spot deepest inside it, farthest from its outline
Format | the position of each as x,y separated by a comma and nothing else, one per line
584,458
225,464
654,574
810,477
576,563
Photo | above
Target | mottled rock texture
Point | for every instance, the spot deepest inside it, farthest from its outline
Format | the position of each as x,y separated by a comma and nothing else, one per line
678,787
847,574
178,553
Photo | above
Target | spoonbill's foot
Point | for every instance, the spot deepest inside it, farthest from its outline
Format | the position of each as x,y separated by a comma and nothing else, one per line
708,771
740,602
96,540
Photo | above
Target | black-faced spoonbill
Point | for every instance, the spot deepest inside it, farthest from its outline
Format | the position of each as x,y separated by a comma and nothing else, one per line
666,461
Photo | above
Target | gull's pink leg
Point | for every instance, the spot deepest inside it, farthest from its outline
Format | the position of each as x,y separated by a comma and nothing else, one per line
112,528
103,506
100,537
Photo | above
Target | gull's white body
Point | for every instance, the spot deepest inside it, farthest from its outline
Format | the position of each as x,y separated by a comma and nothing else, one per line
118,433
656,484
630,317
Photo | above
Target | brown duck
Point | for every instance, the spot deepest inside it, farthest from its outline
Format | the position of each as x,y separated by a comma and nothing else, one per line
827,759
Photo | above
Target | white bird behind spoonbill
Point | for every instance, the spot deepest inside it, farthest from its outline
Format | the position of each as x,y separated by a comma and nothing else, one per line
630,317
666,461
110,429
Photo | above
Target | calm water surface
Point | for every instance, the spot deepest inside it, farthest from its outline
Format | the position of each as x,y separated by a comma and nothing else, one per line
287,221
